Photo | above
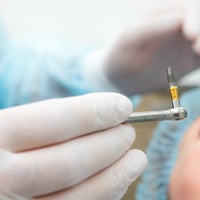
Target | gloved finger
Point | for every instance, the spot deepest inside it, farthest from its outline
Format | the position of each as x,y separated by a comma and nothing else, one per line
54,121
191,22
61,166
110,183
196,45
190,19
158,26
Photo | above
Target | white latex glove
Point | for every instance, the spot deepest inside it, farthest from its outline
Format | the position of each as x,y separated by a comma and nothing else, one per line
138,61
73,148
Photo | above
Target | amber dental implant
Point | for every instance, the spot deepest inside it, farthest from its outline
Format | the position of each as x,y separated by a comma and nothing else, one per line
173,88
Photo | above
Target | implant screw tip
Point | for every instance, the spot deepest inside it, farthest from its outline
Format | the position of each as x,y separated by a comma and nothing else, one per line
170,77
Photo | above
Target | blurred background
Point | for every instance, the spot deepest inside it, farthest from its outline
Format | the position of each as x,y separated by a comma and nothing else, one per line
92,22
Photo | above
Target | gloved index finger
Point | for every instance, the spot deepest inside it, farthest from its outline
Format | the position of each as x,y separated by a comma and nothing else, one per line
58,120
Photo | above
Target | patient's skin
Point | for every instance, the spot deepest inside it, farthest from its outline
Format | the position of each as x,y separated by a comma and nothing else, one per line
185,178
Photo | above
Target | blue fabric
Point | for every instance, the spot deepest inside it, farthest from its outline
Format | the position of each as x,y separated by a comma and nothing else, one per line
163,148
28,75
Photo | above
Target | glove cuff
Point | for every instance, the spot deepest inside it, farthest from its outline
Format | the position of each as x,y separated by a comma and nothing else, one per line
94,72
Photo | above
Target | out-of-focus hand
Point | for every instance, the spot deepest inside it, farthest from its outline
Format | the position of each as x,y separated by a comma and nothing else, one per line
73,148
169,38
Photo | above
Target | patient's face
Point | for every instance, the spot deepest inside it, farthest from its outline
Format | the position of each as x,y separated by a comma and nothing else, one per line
185,178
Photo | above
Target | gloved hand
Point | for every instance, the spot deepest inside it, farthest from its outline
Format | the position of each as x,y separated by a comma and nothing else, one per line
138,61
73,148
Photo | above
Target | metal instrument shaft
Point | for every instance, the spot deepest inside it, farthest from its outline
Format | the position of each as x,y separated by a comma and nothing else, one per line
170,114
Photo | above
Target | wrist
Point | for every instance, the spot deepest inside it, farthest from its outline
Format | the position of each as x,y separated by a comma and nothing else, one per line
94,71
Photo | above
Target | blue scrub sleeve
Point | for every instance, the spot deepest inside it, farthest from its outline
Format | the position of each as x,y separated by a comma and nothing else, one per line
33,73
29,75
